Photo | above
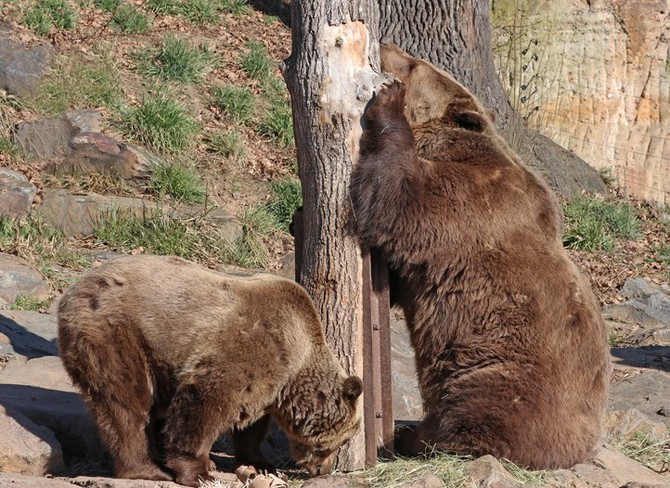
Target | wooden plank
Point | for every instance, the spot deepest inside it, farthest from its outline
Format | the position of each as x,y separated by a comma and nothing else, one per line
297,229
380,281
370,362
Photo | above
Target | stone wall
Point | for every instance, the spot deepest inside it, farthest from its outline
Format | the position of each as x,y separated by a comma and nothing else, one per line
594,76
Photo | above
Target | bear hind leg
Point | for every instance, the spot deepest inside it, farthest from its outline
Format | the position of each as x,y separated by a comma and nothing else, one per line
116,385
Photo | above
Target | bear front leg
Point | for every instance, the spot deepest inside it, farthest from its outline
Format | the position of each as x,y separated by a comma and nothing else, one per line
389,178
247,445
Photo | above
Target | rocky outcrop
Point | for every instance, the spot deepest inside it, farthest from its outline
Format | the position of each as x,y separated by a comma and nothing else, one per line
21,68
17,278
593,76
73,143
16,194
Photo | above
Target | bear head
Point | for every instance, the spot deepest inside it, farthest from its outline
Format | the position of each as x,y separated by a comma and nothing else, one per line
326,429
433,94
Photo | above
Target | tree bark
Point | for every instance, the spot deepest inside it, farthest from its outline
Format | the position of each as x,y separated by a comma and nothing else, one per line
330,77
456,35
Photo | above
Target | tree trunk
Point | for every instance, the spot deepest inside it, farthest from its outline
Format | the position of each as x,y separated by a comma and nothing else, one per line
330,79
456,36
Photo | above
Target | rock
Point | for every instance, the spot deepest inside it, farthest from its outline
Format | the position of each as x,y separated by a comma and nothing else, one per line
335,482
78,214
50,138
75,145
657,306
623,423
13,480
27,448
21,68
647,391
407,404
627,313
31,334
41,390
656,337
640,288
97,153
487,472
623,468
16,194
17,279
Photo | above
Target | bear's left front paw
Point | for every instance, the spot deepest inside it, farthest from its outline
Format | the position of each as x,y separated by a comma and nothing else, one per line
390,99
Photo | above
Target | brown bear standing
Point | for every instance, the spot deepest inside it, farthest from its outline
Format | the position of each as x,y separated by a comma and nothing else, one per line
511,349
169,354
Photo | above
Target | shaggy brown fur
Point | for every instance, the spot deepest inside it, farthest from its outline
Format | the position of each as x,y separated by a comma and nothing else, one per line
169,354
511,350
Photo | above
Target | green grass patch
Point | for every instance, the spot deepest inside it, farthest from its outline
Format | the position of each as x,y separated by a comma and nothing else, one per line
44,15
237,102
235,7
255,61
158,232
199,11
167,233
79,83
37,20
164,7
229,145
175,60
277,124
130,20
285,200
593,224
249,250
7,146
663,253
107,5
160,123
277,120
179,182
642,447
29,302
42,246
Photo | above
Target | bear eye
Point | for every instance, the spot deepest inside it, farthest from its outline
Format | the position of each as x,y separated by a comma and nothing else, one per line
412,65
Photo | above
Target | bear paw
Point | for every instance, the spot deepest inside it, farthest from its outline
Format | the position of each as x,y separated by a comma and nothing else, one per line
389,101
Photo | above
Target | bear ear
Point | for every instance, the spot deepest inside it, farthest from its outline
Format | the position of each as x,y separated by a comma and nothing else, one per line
352,388
469,120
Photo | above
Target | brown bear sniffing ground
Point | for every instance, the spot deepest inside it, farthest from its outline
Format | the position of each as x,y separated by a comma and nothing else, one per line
168,355
511,350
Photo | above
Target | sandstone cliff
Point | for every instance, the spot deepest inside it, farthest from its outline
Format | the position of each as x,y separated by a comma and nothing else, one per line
594,76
